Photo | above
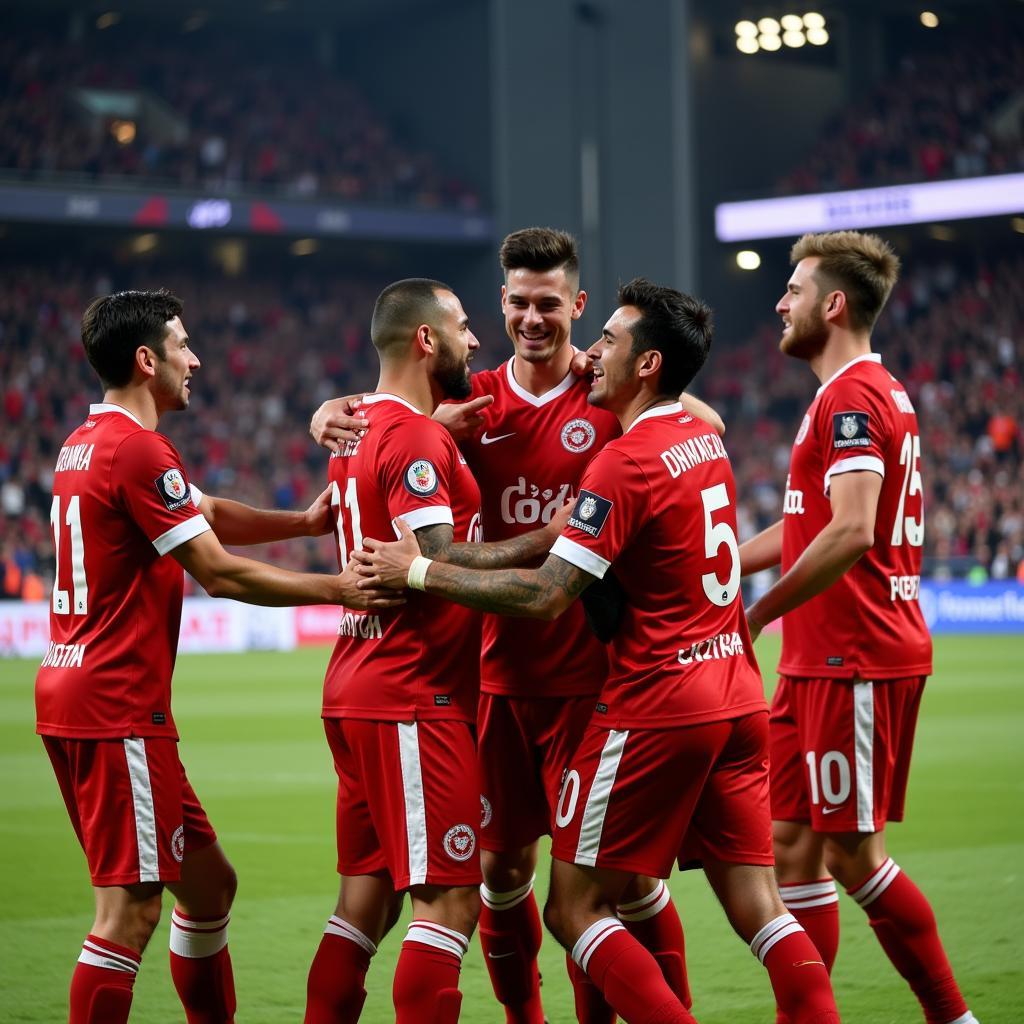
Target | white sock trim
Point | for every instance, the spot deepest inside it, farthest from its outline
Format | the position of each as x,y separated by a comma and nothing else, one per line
773,932
437,935
877,883
197,939
588,942
967,1018
647,906
344,930
810,894
505,900
99,956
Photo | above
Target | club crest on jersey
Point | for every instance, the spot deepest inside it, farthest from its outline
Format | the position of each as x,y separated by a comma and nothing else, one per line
486,811
850,430
804,427
421,478
590,513
578,435
171,487
460,842
178,844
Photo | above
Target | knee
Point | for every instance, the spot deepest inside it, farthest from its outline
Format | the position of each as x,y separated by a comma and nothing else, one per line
229,885
132,923
504,872
554,919
850,862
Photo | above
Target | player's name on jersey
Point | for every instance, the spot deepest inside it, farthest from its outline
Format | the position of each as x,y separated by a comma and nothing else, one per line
678,458
63,656
725,645
347,450
74,456
365,627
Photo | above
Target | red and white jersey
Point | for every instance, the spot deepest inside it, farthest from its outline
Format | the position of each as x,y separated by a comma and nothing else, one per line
868,624
121,502
529,460
422,659
660,503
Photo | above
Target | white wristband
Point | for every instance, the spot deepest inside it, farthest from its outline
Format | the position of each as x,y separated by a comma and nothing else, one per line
417,578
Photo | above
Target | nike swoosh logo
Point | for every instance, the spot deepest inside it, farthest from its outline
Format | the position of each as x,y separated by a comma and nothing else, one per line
499,956
484,439
830,810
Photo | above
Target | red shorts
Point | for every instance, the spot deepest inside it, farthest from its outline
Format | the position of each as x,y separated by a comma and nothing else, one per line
525,745
408,800
840,751
636,800
132,807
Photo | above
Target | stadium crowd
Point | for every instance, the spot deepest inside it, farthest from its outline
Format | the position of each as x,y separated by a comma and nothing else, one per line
272,352
224,121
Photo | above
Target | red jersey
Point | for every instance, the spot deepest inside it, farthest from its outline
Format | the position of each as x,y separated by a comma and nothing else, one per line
868,624
529,460
420,660
660,502
121,502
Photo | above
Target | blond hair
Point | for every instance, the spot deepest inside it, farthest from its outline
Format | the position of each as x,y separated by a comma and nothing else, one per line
864,267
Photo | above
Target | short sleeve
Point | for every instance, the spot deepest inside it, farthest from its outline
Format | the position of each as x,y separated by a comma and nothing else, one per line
148,478
852,427
416,468
613,505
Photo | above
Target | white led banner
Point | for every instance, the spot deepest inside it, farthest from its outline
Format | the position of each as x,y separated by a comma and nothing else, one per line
870,207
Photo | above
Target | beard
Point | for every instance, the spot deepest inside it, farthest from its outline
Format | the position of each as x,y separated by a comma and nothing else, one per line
806,340
452,374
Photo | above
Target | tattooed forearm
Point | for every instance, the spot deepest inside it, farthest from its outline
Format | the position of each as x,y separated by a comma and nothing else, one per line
436,542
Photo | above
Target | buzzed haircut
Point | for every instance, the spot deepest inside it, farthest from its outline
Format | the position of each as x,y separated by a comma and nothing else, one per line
114,326
862,266
402,307
677,325
540,250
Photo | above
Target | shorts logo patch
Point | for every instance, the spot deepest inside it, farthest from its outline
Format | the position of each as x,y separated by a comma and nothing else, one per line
486,811
173,490
590,512
178,844
850,430
804,427
460,842
421,478
578,435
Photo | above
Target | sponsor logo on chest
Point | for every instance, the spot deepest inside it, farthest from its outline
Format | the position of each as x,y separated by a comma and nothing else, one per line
793,503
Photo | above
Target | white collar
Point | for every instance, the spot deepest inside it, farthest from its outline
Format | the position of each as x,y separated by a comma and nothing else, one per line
99,408
383,396
538,400
658,410
868,357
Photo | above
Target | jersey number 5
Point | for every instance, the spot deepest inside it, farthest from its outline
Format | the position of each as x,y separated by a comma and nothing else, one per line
79,585
715,535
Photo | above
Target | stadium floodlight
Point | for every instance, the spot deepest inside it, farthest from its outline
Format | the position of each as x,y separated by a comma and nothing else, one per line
747,44
144,243
746,29
817,36
123,131
304,246
767,42
794,39
812,19
929,19
768,27
108,20
747,259
791,23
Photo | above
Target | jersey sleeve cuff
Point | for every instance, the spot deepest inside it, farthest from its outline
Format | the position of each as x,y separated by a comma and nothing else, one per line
197,495
858,463
431,515
178,535
583,558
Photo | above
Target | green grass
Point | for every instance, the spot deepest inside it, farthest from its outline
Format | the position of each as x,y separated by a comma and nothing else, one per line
256,753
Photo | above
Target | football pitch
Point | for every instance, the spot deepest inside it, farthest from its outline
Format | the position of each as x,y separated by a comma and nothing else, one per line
255,752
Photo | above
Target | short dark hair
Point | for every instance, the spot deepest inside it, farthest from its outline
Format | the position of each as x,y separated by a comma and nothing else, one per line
541,249
862,266
678,326
402,307
114,326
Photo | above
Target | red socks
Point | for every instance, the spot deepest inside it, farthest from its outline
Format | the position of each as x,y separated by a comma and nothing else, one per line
201,968
426,986
589,1003
654,922
334,988
627,975
101,987
510,935
799,979
904,923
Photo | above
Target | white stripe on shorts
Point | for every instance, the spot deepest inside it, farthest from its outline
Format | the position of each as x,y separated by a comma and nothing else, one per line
145,812
597,802
415,805
864,752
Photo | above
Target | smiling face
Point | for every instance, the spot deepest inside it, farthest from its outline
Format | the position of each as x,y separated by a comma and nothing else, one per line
457,347
615,381
174,369
539,308
805,330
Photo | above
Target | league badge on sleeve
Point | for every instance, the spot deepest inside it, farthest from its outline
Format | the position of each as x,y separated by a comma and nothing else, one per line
171,487
590,513
421,478
850,430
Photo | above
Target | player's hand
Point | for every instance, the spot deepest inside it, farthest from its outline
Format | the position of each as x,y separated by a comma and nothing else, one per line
560,520
387,564
753,625
318,516
336,422
580,364
364,598
462,420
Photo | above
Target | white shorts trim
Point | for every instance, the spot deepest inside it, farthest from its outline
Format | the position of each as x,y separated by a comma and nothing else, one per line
415,804
145,811
597,801
864,753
